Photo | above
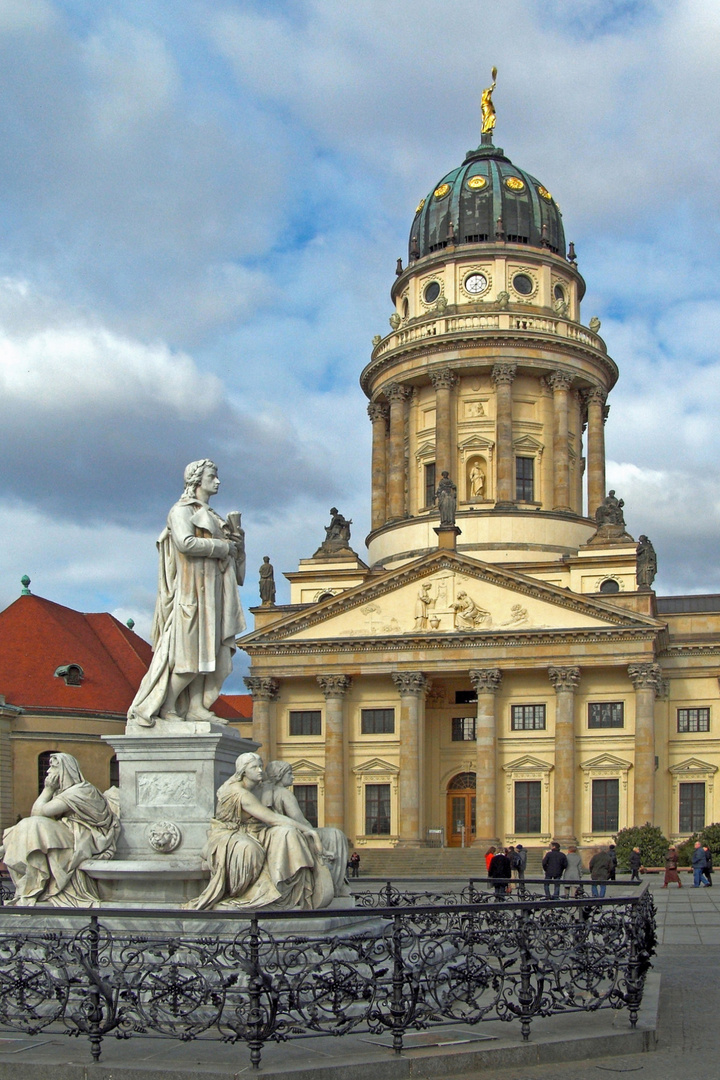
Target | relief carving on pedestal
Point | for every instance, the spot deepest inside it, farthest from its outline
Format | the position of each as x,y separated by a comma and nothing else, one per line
166,789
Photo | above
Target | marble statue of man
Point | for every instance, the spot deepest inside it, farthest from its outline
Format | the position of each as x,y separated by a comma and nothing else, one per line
197,613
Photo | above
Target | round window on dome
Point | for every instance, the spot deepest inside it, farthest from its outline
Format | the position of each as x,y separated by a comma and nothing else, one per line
545,193
523,284
419,206
559,293
431,292
442,191
515,183
476,183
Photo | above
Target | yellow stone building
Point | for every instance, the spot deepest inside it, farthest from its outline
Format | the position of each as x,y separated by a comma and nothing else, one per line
501,676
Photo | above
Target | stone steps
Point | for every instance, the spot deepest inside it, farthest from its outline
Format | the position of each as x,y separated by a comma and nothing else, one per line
392,863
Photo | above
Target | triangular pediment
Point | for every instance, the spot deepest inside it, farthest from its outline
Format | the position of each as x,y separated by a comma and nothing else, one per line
528,763
376,767
449,595
307,769
476,442
606,761
693,766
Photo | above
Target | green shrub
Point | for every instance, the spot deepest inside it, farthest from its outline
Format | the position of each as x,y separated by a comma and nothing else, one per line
649,838
710,835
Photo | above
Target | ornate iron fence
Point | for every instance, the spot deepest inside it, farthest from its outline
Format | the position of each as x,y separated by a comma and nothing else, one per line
386,970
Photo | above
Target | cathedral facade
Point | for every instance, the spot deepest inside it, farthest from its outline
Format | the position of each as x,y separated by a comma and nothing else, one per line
498,666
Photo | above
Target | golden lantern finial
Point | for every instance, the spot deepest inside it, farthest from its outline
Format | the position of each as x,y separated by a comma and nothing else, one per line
486,106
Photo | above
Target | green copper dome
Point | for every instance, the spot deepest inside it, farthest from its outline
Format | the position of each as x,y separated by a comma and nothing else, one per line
487,199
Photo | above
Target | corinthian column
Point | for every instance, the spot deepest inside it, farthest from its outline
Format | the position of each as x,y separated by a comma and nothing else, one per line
412,687
486,682
378,413
263,691
560,381
565,681
595,399
443,381
334,687
646,678
396,395
503,376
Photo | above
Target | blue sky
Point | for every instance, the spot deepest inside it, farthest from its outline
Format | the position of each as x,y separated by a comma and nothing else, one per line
201,206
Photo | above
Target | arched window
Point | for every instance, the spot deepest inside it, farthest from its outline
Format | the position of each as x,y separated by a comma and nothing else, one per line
609,585
43,766
114,772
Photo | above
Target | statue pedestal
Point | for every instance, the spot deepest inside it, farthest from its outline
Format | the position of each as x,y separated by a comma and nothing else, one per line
169,776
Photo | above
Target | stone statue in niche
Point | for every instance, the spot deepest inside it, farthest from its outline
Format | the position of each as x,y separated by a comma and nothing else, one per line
468,614
646,563
258,857
446,499
337,534
276,793
422,607
476,477
267,582
70,821
197,613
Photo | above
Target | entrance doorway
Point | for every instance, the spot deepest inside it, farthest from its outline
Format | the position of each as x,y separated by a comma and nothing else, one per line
461,810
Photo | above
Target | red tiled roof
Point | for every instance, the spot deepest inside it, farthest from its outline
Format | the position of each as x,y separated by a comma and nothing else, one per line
38,636
234,706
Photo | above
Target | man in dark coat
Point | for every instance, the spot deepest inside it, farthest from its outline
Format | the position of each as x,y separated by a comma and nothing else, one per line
635,864
520,864
600,867
499,873
707,873
554,864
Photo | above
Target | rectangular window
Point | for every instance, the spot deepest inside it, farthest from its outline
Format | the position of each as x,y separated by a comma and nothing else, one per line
605,805
463,729
377,721
377,809
692,808
430,484
307,797
693,719
525,479
527,717
527,806
606,714
465,697
305,722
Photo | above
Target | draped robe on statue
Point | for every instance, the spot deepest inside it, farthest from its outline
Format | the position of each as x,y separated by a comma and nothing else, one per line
43,854
197,613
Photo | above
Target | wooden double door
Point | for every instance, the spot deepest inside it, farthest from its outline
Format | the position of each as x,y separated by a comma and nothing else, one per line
461,802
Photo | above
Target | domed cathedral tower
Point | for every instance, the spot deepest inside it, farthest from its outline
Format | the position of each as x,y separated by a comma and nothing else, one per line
487,374
500,667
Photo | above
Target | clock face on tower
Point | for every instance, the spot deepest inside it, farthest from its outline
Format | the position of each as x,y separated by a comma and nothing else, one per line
475,283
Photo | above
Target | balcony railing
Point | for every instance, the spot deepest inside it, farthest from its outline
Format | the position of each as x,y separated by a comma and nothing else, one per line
399,962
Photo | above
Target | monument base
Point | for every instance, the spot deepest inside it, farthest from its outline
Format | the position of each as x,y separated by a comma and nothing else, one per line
169,776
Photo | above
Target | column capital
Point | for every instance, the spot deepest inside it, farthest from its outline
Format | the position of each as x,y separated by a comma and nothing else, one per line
396,392
486,680
410,682
444,379
334,685
262,689
560,380
594,395
503,373
646,677
378,410
564,678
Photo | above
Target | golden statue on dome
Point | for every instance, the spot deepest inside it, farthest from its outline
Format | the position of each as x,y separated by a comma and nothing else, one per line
486,106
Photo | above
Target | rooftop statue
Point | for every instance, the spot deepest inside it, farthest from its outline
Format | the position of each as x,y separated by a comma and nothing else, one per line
267,582
258,857
609,512
486,106
337,534
70,821
646,563
446,499
197,613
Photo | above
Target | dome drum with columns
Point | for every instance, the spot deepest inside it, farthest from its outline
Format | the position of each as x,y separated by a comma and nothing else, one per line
511,675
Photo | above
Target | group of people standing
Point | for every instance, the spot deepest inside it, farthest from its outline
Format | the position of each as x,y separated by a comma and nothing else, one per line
558,866
701,862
